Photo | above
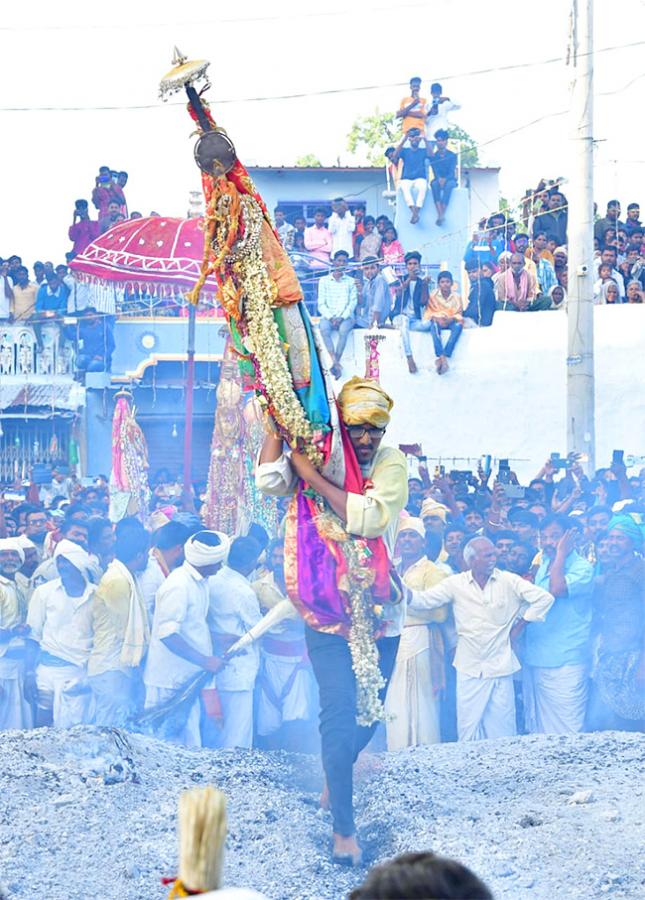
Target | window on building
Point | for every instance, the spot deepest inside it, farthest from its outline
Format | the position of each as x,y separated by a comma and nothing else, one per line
306,208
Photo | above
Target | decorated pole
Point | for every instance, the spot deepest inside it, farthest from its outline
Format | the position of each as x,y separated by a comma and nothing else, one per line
224,489
129,490
282,360
190,392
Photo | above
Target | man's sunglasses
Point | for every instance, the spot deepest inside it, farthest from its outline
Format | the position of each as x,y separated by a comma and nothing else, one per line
359,431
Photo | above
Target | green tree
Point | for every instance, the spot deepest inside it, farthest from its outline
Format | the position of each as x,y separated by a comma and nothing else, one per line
469,151
309,161
372,134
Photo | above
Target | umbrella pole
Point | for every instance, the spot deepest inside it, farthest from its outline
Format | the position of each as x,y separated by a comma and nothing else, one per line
190,387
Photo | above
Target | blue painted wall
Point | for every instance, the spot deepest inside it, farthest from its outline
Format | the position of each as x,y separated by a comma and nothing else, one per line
323,185
142,339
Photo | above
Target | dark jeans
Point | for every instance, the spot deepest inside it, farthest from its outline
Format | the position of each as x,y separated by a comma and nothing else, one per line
341,738
455,329
85,363
442,194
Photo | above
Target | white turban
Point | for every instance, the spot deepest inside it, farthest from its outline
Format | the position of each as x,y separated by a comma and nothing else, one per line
75,554
8,544
199,554
24,542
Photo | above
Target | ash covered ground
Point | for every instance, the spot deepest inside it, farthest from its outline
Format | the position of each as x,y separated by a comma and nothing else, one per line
90,813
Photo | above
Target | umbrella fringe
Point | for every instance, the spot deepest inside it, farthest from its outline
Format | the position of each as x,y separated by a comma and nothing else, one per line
161,291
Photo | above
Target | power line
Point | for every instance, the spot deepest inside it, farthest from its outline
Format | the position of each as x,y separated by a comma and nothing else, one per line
230,20
324,93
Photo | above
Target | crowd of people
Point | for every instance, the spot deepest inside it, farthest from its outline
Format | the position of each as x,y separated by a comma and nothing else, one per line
353,269
356,274
54,296
126,625
108,199
539,242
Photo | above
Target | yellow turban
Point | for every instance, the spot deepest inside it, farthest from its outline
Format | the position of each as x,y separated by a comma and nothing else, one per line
412,523
432,507
363,401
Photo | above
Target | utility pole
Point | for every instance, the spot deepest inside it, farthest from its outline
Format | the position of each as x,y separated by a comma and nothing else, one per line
580,348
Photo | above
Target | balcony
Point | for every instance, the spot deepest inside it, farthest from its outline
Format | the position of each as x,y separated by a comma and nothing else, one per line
21,357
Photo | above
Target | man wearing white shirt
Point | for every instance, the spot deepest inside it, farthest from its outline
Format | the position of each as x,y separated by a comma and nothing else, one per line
337,299
341,226
167,554
486,604
180,642
234,609
438,109
285,229
79,294
60,640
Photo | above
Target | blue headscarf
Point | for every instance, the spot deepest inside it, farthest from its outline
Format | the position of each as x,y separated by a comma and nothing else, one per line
629,527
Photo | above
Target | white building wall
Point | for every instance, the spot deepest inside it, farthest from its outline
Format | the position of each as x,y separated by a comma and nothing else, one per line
505,393
484,193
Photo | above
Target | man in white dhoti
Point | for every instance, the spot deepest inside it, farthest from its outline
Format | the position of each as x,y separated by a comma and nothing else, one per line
15,711
286,690
121,630
486,603
233,610
180,642
413,698
60,640
557,652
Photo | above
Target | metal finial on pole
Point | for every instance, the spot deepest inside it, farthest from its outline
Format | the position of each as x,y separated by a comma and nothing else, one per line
178,58
580,348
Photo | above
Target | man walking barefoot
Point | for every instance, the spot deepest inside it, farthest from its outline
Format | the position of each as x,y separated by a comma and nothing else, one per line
365,410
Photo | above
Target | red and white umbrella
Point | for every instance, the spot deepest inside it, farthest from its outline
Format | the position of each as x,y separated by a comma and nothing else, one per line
160,254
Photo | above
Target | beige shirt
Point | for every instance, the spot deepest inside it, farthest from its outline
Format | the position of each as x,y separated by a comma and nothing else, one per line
531,293
374,513
24,300
484,618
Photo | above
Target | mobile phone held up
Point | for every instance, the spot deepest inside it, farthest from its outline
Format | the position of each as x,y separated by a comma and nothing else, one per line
504,472
512,491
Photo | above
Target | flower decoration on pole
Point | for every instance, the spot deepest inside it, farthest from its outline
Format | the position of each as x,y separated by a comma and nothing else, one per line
226,469
372,355
280,359
129,490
